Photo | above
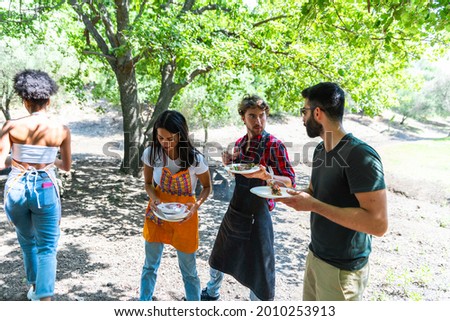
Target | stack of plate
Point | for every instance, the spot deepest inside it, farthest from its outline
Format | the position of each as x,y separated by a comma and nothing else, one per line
172,212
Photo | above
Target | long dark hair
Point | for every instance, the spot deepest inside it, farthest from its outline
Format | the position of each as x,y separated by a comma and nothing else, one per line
174,122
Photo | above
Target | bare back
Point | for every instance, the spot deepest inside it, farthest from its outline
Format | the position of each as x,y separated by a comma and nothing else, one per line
37,130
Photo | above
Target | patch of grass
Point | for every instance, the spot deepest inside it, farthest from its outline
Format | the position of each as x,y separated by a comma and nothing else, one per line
424,275
379,296
444,139
444,223
427,160
406,282
415,296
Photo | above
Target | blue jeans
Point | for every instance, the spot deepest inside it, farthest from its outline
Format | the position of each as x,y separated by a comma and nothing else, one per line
215,282
188,268
32,204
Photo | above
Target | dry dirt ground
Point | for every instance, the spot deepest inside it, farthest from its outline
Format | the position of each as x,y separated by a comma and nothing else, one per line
101,248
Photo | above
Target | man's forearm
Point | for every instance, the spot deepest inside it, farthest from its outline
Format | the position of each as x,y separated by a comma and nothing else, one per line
354,218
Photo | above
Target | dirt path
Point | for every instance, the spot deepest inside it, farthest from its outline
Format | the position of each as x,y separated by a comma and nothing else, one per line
101,249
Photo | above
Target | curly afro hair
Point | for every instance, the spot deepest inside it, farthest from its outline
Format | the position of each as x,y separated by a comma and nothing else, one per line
34,85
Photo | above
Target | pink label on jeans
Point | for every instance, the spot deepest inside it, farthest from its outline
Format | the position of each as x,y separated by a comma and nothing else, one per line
47,184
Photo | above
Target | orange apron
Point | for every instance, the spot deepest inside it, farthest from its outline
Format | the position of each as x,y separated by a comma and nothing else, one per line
181,235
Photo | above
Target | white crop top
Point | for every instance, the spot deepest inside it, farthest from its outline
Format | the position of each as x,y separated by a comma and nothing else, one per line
34,154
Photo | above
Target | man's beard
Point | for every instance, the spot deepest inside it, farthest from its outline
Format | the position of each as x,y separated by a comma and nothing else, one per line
256,131
313,128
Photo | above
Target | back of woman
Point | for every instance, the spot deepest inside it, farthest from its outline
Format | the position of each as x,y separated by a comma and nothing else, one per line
37,129
31,197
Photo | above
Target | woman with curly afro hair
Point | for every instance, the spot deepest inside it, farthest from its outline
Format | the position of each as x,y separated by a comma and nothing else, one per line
32,201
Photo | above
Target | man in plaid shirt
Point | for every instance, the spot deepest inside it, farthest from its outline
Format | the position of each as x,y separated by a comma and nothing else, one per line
244,243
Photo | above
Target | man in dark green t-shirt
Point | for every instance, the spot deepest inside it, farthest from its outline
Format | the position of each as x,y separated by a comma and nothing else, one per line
346,197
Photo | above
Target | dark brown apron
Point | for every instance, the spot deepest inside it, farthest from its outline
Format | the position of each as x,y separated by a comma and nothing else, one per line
244,243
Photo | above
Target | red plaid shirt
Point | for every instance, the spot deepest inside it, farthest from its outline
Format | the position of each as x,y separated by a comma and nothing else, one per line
275,156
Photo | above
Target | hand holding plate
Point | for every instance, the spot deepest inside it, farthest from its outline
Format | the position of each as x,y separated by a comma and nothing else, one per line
261,173
299,200
154,202
228,158
192,208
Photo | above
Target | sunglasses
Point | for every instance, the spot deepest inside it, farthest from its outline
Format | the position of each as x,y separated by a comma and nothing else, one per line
303,110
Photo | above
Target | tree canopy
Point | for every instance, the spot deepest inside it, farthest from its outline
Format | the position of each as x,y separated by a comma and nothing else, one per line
157,48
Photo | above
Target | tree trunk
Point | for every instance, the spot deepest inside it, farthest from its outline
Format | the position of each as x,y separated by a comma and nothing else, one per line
123,66
168,90
6,113
403,119
126,79
205,124
205,130
5,108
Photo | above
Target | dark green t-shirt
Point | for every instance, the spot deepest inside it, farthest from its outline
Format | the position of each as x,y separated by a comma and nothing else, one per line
351,167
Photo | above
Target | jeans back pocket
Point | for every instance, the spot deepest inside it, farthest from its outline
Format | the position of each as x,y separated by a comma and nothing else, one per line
47,194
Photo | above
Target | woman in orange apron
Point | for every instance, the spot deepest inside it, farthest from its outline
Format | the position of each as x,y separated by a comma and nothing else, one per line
172,169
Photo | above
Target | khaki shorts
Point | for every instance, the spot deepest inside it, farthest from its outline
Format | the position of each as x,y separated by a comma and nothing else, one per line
325,282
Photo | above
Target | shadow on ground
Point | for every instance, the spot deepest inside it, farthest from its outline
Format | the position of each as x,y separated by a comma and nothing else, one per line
111,204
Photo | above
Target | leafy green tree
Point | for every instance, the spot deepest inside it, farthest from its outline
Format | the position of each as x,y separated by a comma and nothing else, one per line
437,94
6,74
428,93
359,44
18,54
205,103
170,42
287,44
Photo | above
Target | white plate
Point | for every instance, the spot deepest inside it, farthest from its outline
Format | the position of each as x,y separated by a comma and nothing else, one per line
172,208
171,217
231,169
266,192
